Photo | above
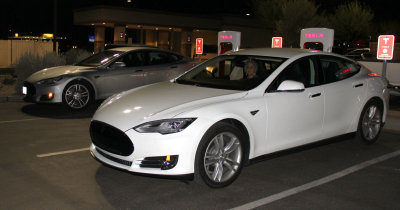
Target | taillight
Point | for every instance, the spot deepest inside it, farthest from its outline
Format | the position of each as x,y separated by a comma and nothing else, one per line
374,75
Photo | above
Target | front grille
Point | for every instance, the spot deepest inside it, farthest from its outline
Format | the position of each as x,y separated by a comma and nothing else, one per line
120,161
110,139
31,90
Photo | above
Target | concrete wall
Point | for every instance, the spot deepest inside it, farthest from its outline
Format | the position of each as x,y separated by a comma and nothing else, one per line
12,50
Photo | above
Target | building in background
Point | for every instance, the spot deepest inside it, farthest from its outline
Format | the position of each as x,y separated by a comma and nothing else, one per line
170,31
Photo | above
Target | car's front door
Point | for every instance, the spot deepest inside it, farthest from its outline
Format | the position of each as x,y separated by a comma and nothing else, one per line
123,74
295,117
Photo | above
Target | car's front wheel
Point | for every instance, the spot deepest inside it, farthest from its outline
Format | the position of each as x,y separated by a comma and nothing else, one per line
220,155
77,95
370,123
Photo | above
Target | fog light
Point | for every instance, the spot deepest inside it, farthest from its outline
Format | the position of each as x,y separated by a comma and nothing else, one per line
161,162
170,162
50,95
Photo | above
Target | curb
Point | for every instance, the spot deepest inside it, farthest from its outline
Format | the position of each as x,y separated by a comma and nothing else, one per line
11,99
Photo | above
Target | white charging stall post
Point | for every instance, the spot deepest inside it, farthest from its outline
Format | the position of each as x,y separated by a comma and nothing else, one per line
317,39
228,41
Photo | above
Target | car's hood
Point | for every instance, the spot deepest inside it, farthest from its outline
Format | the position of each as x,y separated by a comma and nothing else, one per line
57,71
157,101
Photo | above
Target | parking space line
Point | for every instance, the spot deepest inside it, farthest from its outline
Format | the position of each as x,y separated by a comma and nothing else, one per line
324,180
12,121
62,152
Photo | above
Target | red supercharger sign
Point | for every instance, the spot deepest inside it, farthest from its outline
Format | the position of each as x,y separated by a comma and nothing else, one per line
385,47
276,42
199,46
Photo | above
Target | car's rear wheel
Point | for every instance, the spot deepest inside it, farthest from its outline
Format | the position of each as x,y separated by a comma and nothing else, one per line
370,123
220,155
78,95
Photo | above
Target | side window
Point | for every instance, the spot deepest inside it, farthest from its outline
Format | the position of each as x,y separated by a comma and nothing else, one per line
157,58
217,70
132,59
336,69
174,57
303,70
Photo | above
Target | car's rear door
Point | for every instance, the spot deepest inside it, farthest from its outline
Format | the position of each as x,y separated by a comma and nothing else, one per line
344,93
162,66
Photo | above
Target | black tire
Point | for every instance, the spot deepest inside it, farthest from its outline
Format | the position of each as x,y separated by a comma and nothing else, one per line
370,123
78,95
219,168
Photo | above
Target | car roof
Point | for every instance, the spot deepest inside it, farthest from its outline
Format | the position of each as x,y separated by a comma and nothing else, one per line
275,52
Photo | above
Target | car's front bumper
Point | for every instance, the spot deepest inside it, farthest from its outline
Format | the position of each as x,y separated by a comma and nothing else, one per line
42,94
161,149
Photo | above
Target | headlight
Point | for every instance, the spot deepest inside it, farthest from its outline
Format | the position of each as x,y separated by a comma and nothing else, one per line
165,126
50,81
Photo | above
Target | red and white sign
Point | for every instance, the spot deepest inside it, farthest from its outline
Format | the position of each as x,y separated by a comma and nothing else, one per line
199,46
276,42
385,47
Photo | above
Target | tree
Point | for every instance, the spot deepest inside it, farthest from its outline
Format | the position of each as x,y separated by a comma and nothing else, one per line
352,22
388,27
296,15
269,11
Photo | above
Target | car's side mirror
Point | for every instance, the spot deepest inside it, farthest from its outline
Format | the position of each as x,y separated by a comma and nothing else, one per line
291,86
118,64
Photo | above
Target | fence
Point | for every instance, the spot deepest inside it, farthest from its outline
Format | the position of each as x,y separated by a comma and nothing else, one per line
12,50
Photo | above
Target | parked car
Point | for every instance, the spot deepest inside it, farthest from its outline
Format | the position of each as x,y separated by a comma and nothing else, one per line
111,46
213,119
356,54
103,75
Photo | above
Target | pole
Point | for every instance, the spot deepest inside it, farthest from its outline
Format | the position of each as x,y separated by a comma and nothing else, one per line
384,68
55,26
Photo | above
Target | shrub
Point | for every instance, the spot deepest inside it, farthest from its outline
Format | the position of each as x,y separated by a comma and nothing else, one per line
73,56
8,81
30,63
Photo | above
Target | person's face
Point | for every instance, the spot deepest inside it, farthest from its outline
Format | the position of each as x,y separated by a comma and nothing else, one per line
250,71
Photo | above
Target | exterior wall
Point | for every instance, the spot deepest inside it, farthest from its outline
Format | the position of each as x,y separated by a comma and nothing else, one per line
12,50
99,38
163,40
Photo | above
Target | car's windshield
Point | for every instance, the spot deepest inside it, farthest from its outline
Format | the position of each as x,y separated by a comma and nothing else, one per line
235,72
99,58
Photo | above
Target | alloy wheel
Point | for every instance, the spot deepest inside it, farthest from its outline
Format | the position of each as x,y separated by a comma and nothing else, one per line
371,123
77,96
223,157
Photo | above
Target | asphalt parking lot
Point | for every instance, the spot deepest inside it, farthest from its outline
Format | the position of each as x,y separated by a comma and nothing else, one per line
45,164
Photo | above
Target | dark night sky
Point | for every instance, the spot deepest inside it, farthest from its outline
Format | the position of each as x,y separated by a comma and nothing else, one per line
36,17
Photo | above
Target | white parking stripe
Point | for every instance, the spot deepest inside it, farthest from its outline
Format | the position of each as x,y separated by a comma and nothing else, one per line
12,121
62,152
316,183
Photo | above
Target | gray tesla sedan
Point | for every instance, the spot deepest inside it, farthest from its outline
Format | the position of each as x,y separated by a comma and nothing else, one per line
102,75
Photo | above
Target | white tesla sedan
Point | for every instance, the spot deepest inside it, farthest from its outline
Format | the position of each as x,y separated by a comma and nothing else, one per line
228,110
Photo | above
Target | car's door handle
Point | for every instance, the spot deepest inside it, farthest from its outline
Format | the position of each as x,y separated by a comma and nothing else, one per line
315,95
358,85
